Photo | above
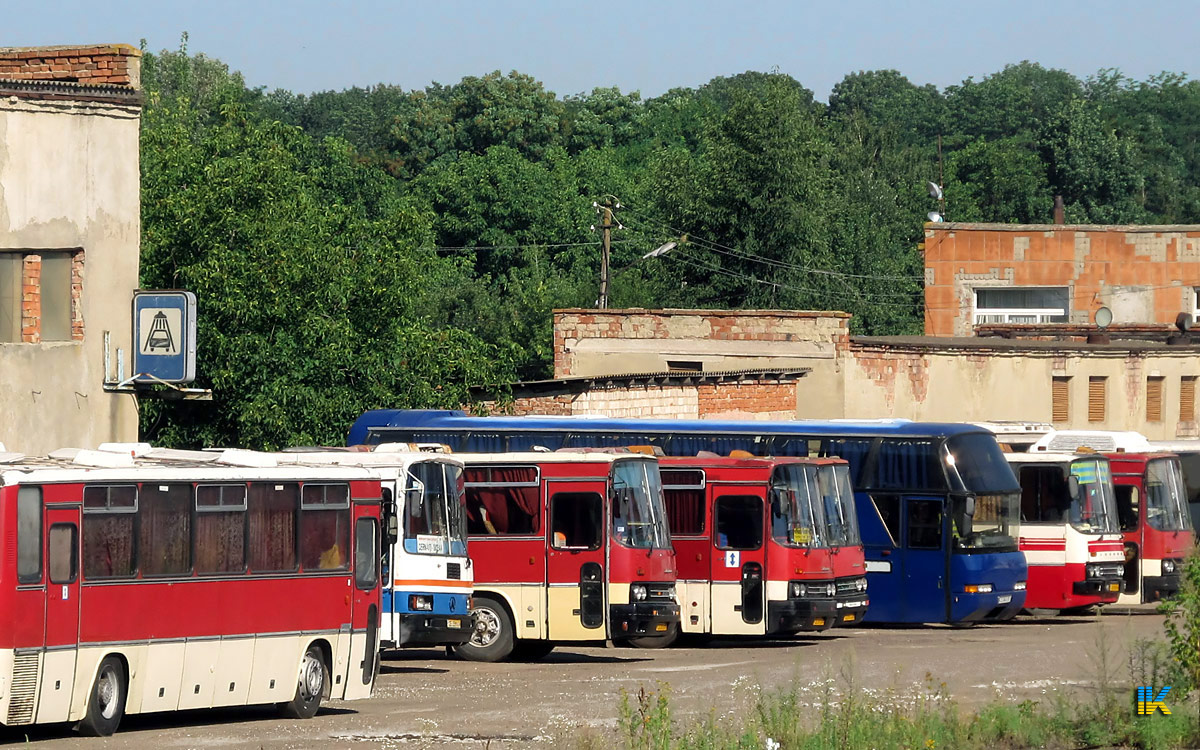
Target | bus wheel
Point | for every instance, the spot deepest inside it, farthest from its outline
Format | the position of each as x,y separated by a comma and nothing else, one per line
492,638
310,687
531,650
106,704
651,641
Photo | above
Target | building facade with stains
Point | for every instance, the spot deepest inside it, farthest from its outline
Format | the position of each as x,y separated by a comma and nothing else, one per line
763,364
986,274
69,242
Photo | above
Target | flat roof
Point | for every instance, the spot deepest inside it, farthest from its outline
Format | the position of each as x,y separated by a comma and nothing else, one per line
950,226
998,343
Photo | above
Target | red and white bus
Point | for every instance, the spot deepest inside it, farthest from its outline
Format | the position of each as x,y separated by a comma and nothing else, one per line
179,580
1069,530
567,547
757,541
1152,509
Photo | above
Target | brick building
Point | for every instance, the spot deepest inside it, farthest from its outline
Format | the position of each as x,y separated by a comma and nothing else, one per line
1050,274
762,364
69,239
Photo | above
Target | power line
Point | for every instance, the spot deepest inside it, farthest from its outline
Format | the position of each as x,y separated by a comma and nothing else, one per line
747,255
594,243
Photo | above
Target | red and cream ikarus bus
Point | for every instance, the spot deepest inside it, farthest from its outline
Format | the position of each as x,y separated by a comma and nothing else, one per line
1069,530
567,547
757,541
135,580
1152,510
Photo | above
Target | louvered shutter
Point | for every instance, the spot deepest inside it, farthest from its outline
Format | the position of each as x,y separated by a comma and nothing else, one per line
1060,397
1097,392
1154,401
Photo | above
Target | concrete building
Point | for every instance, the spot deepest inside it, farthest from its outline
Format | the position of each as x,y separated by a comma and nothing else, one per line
69,242
979,274
1147,385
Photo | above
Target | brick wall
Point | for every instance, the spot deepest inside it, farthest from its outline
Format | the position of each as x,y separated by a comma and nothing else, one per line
721,331
761,400
115,64
1144,274
31,299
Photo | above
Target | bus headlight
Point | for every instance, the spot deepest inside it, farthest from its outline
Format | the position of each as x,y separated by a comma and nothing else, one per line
798,589
637,592
978,588
420,603
1168,567
1019,586
861,584
831,589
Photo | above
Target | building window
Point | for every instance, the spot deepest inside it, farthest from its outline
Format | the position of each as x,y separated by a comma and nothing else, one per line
40,296
1028,305
1060,398
1097,395
1187,398
1154,399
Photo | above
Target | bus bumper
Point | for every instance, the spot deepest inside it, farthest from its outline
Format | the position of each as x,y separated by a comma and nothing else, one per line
645,618
852,609
433,630
1155,588
1108,589
995,607
801,614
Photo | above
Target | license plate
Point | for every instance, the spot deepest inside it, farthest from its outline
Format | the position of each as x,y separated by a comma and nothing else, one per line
847,618
661,627
1114,587
1005,599
819,621
454,623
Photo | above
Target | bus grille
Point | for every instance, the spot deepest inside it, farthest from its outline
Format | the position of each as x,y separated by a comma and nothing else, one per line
24,688
848,586
453,571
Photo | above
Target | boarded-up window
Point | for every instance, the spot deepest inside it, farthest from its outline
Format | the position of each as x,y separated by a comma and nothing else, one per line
1187,398
1097,395
1060,397
1154,399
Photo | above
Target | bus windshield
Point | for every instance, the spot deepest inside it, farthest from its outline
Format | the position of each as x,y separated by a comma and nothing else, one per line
992,527
1093,506
435,521
795,516
841,518
639,515
1165,498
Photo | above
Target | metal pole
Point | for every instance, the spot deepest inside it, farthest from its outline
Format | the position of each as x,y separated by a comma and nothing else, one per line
605,240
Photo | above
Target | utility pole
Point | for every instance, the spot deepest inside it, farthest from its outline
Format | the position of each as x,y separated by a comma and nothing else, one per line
606,227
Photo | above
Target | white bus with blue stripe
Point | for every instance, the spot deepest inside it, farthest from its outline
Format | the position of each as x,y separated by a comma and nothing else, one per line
426,571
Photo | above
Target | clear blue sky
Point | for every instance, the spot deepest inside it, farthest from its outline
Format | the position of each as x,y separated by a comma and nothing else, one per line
314,45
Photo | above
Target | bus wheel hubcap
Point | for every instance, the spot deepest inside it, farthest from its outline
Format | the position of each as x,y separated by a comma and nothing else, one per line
107,693
311,680
487,628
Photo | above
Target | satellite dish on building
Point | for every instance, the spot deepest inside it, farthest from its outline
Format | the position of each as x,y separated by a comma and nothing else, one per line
1184,321
1103,317
935,190
934,216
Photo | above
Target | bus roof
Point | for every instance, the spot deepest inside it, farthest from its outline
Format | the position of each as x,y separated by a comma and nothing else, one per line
547,457
433,419
1051,457
1101,441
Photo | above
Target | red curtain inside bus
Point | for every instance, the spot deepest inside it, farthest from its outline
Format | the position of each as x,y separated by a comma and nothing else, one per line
505,510
685,510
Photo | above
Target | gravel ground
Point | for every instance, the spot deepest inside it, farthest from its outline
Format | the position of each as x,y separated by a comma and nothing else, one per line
425,699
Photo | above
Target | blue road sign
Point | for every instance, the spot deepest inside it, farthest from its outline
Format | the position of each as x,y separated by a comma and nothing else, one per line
164,337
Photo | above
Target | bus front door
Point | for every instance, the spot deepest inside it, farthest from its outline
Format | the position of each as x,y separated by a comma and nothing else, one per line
924,561
738,566
62,614
575,565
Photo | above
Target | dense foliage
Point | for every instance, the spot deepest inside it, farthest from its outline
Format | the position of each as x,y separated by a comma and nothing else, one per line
379,246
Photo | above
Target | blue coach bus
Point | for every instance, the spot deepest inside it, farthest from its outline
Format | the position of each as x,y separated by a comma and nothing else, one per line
938,505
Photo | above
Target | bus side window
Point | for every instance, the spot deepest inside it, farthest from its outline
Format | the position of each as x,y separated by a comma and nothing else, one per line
1127,506
29,535
63,560
924,524
888,507
575,520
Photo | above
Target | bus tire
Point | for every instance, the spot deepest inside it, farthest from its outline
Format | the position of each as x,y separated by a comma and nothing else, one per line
310,686
492,637
106,702
525,650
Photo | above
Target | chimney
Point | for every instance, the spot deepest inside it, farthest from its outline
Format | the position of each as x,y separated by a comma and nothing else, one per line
1059,210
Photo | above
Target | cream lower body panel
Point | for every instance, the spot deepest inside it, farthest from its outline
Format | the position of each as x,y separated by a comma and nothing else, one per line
726,620
526,602
42,686
565,623
693,606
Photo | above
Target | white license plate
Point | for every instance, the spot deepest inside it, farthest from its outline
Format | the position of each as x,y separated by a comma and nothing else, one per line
454,623
1005,599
